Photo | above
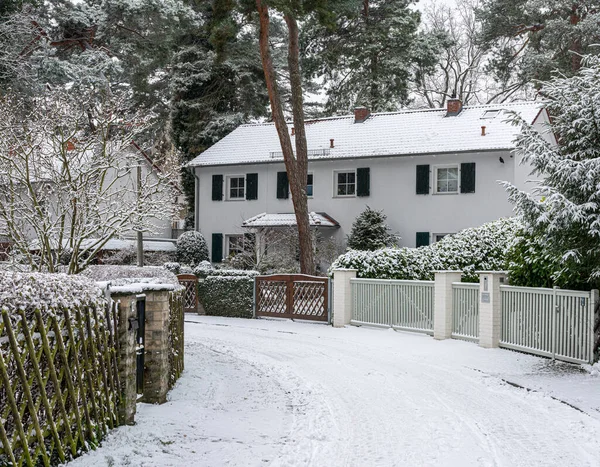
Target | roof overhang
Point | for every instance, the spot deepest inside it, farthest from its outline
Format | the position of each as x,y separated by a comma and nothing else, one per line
266,220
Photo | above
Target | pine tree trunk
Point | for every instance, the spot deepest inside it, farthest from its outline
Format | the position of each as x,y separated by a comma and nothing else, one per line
296,166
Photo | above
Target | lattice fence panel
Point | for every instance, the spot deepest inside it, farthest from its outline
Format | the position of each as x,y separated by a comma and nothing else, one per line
272,297
309,298
59,383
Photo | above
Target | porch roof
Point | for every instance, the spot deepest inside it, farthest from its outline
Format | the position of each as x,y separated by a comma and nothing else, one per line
316,219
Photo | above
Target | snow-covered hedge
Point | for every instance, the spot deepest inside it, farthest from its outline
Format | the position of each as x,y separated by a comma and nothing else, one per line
47,292
225,292
229,296
121,275
173,267
470,250
202,272
191,248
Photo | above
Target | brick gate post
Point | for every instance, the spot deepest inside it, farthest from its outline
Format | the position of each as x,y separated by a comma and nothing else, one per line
490,309
342,296
442,306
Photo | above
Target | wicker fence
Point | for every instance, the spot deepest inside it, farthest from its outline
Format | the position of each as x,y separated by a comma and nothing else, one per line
176,318
59,383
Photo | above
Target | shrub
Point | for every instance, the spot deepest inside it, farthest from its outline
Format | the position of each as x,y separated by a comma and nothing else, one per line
192,248
102,273
173,267
470,250
370,232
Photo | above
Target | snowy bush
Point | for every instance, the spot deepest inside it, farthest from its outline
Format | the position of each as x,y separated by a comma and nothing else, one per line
470,250
192,248
173,267
116,274
370,232
31,291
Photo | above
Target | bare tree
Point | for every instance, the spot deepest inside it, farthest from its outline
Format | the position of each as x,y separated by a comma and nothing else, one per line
296,163
461,71
68,177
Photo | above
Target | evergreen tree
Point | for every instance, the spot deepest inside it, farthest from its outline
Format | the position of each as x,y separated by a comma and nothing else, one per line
532,38
367,54
370,232
563,213
217,83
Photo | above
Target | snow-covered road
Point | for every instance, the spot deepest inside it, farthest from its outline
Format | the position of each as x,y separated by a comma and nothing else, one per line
262,392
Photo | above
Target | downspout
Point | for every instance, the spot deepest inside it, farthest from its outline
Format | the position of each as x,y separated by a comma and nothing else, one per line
196,198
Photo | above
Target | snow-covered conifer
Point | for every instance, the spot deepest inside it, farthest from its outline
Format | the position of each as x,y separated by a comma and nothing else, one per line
191,248
369,231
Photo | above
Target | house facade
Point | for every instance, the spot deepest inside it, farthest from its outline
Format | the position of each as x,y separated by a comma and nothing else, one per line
432,172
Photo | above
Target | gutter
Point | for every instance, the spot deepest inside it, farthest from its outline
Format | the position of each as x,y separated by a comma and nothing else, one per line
317,159
192,170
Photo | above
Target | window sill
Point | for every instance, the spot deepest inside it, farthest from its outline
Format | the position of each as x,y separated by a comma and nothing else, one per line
447,193
235,199
344,196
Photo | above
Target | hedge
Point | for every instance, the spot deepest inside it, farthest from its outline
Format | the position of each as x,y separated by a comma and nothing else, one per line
229,296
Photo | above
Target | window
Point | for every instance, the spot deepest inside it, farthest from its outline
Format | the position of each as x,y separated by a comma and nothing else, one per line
236,187
446,179
235,244
309,185
438,236
345,183
489,114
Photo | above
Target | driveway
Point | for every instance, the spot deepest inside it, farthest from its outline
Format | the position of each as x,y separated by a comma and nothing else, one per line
280,393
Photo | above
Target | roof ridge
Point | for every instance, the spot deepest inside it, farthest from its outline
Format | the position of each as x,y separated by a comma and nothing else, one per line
403,111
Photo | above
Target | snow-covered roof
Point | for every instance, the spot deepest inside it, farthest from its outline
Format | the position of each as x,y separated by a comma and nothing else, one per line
121,244
316,219
405,132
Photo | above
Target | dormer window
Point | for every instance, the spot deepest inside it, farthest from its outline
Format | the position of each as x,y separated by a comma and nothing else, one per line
489,114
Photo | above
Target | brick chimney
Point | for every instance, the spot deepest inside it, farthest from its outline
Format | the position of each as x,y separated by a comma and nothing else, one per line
361,114
454,106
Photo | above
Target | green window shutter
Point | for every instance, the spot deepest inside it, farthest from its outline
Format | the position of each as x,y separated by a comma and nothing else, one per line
467,177
422,239
363,186
251,186
283,186
422,179
217,188
217,247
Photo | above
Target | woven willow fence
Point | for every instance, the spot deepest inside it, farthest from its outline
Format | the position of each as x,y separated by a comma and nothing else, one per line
176,317
58,383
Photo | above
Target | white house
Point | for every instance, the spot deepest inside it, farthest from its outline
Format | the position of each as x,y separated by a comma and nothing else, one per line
432,172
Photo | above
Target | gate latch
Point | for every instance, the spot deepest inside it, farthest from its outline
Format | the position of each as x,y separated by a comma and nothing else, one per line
133,324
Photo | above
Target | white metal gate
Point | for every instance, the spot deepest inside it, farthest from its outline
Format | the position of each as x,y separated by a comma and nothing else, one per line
550,322
406,305
465,311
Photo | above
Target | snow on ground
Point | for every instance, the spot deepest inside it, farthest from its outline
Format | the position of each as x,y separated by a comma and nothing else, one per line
279,393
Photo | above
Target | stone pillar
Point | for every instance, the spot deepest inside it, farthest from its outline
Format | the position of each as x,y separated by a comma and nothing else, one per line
490,307
156,367
127,358
442,306
342,296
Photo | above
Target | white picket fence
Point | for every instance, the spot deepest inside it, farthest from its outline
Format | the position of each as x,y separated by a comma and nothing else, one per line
550,322
465,316
553,323
399,304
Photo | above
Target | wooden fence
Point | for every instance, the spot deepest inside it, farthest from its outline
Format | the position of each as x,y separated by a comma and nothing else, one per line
59,383
176,319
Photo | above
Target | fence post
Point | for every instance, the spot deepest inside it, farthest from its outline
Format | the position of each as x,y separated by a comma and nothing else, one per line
342,296
594,298
442,303
490,307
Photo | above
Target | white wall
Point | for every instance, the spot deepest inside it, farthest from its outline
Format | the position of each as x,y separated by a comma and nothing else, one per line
393,190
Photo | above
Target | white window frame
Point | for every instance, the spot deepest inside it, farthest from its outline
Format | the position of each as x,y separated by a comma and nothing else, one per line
435,179
228,238
434,236
335,183
491,114
228,179
309,174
